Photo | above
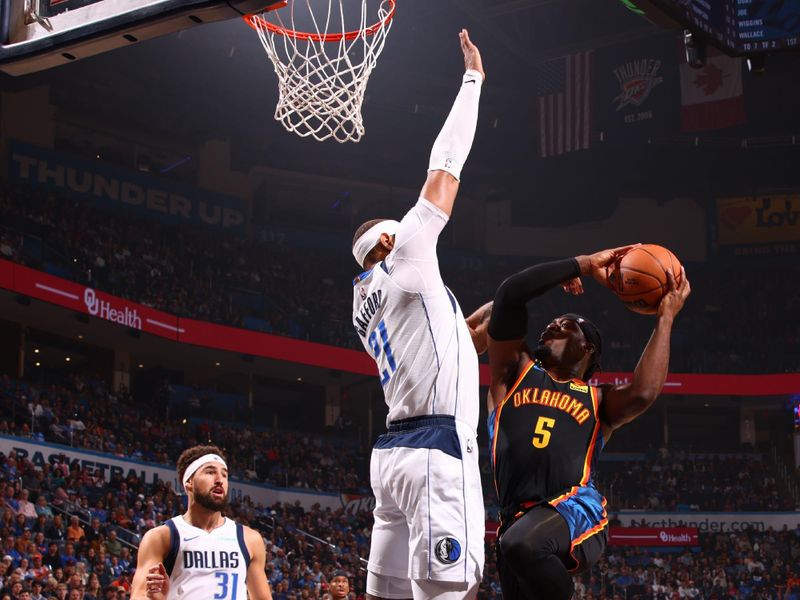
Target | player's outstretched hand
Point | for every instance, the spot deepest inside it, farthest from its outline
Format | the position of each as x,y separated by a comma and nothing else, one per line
472,56
157,582
672,302
598,264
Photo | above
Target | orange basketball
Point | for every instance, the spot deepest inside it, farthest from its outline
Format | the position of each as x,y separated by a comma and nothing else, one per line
639,278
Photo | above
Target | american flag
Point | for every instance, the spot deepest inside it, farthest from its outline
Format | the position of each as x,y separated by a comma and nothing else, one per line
564,103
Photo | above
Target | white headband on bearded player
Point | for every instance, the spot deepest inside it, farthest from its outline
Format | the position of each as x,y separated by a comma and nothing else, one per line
370,238
199,462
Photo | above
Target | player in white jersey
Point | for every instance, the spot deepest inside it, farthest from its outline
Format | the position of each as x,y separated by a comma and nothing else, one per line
201,554
427,541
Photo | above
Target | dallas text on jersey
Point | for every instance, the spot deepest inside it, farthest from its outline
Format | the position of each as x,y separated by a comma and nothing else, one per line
210,559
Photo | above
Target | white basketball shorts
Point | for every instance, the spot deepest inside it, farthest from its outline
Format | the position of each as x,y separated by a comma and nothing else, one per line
429,516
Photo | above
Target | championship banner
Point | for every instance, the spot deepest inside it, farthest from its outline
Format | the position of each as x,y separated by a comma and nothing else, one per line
637,93
710,521
117,188
653,536
764,219
41,453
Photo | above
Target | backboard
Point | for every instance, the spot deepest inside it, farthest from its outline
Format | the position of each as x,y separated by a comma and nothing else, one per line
39,34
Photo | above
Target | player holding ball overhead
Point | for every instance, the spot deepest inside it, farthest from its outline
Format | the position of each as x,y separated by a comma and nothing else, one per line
547,425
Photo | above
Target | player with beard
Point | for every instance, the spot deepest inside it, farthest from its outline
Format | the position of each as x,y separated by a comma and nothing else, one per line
201,553
547,425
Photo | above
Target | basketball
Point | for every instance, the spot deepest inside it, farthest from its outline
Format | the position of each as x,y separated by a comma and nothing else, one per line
639,278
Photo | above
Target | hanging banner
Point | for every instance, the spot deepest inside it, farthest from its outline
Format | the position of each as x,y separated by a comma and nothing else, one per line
637,93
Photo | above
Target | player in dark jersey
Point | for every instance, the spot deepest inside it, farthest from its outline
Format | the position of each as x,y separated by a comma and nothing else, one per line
547,426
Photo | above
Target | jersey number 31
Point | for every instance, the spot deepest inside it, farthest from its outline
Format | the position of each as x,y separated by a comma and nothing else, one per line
223,587
383,346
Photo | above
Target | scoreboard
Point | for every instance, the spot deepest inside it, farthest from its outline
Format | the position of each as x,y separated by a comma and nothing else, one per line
740,27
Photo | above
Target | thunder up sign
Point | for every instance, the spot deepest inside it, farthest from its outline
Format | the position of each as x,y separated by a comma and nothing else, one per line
117,188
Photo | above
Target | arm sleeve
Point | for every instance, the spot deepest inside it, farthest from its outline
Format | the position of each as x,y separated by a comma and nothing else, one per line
509,314
413,263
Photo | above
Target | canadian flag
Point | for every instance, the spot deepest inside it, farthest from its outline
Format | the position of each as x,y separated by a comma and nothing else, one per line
711,97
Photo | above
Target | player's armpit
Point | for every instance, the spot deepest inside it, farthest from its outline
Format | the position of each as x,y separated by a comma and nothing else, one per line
152,550
257,583
478,324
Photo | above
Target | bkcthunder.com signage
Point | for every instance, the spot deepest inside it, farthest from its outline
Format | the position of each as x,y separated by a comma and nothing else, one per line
711,522
125,189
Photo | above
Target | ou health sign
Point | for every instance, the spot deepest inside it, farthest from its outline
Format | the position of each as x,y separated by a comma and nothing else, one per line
79,298
653,536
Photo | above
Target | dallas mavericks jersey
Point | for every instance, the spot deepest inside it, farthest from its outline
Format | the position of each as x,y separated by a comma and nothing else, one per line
426,360
545,440
206,565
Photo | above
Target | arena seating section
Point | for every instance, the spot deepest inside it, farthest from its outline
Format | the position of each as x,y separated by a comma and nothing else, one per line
75,534
257,284
306,545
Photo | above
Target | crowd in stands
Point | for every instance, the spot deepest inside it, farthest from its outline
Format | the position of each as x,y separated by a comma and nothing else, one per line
53,547
268,284
74,530
86,414
54,543
757,565
683,481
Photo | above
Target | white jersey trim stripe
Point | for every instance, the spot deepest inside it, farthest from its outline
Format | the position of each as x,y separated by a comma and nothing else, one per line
436,353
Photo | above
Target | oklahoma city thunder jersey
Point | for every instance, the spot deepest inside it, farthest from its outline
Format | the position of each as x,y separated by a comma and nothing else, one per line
426,360
544,439
203,565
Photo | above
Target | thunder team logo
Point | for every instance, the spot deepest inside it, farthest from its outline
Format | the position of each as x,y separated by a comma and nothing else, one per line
636,80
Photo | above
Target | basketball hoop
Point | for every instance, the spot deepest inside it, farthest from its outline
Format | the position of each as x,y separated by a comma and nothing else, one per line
323,74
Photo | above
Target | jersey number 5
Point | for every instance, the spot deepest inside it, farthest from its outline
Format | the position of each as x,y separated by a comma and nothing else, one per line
542,432
386,348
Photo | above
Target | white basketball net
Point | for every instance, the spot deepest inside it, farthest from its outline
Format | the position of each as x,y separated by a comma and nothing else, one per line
321,84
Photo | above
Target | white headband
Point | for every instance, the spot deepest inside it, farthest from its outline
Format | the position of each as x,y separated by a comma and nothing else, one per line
370,238
199,462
